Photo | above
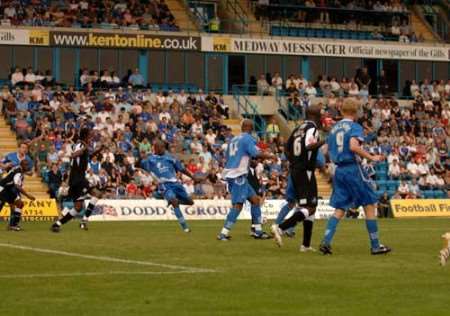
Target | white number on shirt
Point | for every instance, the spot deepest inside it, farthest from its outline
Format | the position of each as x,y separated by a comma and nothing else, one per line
298,146
234,147
340,140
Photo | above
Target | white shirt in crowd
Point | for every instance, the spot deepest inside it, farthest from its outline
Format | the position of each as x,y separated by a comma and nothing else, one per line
181,98
394,170
277,82
16,78
311,91
30,77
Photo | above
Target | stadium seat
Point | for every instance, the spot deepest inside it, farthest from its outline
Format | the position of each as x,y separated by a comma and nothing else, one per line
392,185
382,185
428,194
276,31
440,194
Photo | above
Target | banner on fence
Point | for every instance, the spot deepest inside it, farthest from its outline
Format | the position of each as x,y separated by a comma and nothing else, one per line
37,210
325,47
421,208
123,210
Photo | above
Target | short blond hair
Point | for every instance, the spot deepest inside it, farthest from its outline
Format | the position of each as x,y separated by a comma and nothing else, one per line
350,106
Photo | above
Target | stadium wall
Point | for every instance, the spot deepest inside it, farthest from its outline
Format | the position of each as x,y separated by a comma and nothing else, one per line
211,62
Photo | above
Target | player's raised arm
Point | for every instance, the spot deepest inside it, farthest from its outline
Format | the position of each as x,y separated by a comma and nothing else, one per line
312,139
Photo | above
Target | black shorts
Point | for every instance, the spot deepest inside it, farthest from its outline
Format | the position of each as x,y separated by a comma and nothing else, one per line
79,190
254,183
302,188
9,195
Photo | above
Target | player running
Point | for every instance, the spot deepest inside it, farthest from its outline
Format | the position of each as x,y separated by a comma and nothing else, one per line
239,152
11,186
301,150
351,188
79,187
165,167
255,211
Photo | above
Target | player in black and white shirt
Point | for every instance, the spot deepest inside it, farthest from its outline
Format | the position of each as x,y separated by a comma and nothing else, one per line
256,230
11,186
79,187
301,150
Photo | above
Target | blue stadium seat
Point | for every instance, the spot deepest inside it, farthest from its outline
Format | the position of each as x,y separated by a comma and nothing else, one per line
379,193
320,33
440,194
392,185
428,194
293,31
276,31
382,185
301,32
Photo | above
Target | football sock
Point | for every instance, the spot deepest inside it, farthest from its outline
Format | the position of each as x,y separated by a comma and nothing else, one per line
331,230
372,229
298,216
308,224
90,208
64,219
230,220
255,211
283,213
180,217
15,217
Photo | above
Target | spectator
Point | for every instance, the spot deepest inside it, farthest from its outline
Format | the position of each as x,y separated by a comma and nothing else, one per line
136,79
262,86
17,76
384,206
272,130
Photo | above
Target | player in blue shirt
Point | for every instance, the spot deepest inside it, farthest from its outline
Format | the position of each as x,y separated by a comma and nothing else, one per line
351,187
239,152
165,167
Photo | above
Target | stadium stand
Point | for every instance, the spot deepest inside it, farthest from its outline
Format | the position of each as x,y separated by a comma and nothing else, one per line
130,14
128,117
357,20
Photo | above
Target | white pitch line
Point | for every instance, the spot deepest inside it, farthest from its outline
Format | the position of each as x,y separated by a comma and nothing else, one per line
82,274
105,258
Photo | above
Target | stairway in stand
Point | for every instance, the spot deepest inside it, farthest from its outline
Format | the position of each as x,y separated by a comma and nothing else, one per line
420,28
8,143
254,26
234,124
323,185
182,18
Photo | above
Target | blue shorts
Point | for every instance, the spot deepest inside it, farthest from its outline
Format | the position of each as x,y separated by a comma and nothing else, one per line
351,188
174,190
240,190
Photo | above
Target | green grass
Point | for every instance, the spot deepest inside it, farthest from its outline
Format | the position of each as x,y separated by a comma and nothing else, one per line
252,277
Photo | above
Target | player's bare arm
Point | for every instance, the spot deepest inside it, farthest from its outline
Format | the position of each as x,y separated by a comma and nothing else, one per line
357,149
29,196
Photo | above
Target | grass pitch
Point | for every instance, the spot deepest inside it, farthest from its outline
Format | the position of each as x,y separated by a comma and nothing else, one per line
249,277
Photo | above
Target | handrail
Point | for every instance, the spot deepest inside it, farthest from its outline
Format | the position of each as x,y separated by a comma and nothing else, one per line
194,14
249,109
302,7
290,112
238,10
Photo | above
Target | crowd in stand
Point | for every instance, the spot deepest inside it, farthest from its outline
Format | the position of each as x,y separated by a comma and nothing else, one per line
130,14
415,137
126,119
389,17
